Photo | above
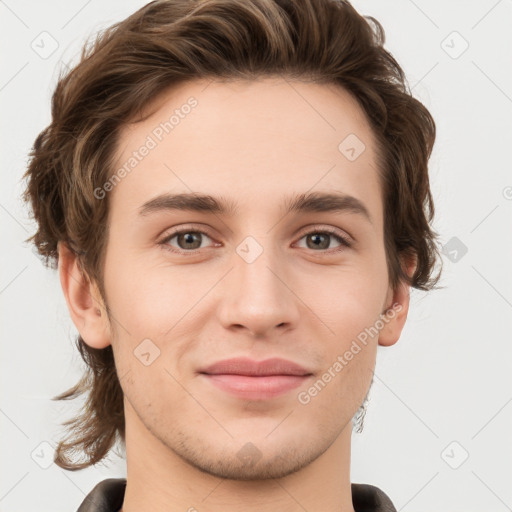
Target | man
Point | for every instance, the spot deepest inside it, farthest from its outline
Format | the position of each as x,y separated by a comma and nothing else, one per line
237,197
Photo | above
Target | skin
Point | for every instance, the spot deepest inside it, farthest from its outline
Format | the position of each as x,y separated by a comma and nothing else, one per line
255,143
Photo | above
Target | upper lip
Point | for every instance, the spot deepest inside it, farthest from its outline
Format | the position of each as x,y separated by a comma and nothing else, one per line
247,366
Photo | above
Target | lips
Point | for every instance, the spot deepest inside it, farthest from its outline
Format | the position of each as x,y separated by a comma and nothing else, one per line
249,367
255,380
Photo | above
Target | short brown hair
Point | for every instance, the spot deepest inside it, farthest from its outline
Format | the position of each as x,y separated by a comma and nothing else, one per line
171,41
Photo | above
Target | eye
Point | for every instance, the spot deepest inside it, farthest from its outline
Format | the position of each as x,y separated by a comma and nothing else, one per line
187,240
321,239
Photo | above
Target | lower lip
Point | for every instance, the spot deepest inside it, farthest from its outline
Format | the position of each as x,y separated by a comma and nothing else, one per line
256,388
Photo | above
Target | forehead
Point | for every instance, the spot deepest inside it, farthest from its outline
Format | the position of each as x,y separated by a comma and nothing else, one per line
249,141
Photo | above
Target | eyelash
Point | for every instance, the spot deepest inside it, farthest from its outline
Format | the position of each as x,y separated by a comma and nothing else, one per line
345,242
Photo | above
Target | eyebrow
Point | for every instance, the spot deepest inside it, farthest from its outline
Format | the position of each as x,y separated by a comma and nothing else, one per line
302,203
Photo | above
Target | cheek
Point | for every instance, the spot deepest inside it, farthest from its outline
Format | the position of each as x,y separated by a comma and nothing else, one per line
144,300
156,310
348,301
349,307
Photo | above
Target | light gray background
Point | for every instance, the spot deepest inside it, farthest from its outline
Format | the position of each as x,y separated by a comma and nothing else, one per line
441,393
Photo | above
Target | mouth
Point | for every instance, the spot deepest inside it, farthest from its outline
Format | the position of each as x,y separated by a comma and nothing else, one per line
255,380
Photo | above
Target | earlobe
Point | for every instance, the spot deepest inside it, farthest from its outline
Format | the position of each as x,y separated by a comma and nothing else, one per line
397,309
84,301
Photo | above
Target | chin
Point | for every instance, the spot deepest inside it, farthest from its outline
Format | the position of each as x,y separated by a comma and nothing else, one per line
249,465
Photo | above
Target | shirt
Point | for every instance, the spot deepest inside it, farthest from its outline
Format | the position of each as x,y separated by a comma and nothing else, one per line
108,496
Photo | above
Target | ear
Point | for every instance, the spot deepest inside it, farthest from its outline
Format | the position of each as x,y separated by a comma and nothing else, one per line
84,300
397,307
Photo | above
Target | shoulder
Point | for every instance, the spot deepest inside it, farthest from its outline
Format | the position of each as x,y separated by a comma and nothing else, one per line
369,498
106,496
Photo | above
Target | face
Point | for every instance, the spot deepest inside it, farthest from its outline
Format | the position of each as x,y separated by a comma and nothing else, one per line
190,287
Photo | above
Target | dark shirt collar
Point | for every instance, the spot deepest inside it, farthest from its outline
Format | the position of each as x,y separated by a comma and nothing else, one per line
108,496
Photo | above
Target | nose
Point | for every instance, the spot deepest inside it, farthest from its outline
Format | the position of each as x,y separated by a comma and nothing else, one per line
257,295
